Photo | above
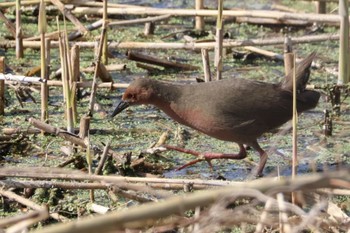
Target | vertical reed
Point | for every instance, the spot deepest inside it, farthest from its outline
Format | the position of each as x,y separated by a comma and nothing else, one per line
105,41
321,7
2,87
343,77
206,65
75,59
288,55
98,61
42,28
66,72
295,125
199,19
219,39
19,39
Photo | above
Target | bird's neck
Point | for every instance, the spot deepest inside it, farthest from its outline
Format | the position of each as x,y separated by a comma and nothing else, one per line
165,93
167,98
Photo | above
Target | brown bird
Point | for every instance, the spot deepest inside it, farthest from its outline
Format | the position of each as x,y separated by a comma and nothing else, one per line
236,110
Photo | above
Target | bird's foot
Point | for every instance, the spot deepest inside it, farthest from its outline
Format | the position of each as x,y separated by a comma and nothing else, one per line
207,156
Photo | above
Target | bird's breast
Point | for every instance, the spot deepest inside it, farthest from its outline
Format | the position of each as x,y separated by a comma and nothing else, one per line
199,119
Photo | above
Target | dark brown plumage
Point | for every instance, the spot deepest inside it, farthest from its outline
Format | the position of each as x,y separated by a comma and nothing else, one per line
237,110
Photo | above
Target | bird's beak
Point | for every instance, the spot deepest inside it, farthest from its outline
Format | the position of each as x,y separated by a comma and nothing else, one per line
120,107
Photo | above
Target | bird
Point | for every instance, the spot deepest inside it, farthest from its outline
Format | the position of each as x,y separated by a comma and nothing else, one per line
233,109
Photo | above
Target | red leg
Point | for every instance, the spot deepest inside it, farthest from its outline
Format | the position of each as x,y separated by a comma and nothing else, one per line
208,156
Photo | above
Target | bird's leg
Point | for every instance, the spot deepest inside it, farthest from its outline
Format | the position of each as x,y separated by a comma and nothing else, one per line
208,156
263,158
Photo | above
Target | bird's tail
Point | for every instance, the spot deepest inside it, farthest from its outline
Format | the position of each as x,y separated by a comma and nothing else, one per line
302,74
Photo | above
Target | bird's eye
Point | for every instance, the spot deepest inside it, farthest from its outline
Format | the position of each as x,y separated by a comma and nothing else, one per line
129,96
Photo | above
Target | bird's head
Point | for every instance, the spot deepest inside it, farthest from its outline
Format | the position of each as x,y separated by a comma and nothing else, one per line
138,92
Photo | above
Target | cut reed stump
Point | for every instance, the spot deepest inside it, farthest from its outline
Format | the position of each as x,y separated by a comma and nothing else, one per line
199,19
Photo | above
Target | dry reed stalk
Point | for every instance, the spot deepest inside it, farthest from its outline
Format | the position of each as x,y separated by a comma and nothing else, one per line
2,87
111,67
67,14
5,222
10,131
68,174
75,62
206,65
265,53
104,55
219,39
31,204
19,36
199,5
20,78
28,220
103,158
9,25
103,74
57,131
102,183
93,26
50,35
65,84
56,83
288,56
88,156
140,216
149,68
71,137
283,217
52,184
138,21
42,28
295,125
264,216
188,46
100,4
131,195
47,57
322,18
23,3
321,7
344,64
272,22
307,182
149,29
84,126
71,87
98,61
159,62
